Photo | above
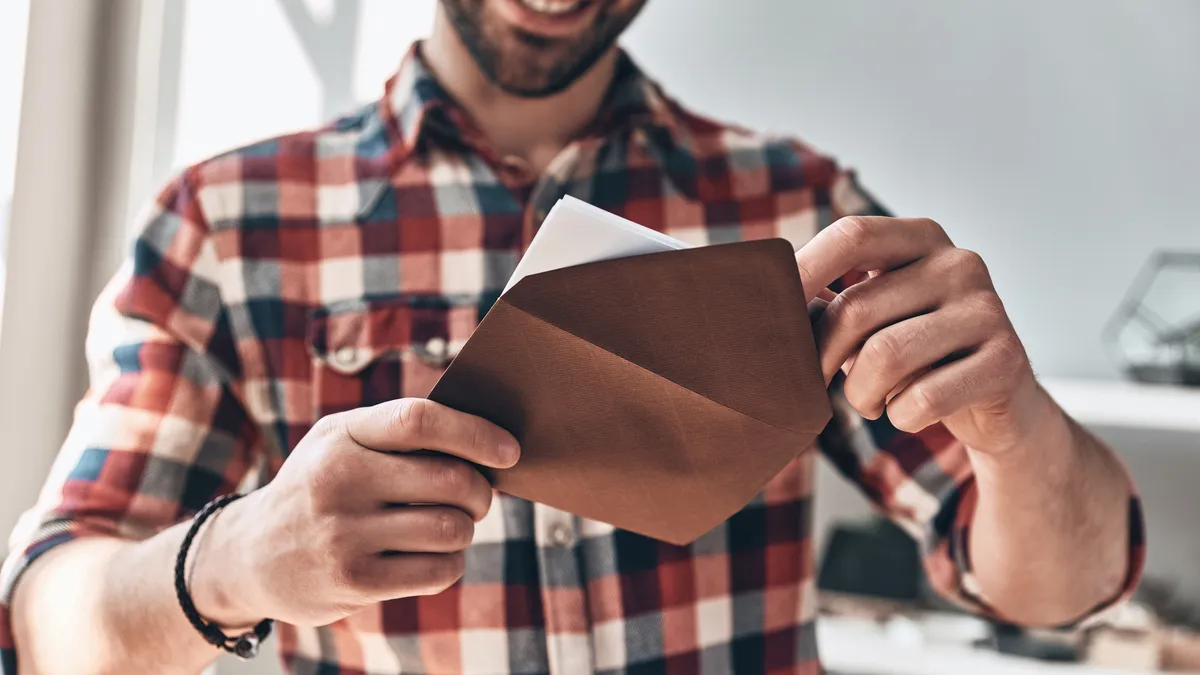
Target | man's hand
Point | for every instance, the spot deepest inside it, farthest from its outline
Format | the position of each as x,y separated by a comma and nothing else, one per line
354,517
925,336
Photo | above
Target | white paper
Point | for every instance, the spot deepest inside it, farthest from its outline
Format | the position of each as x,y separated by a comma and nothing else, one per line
575,232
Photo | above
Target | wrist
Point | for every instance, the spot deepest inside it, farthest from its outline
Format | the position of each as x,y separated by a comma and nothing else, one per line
1042,440
220,572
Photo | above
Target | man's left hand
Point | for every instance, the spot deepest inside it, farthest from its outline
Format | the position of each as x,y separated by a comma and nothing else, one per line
925,336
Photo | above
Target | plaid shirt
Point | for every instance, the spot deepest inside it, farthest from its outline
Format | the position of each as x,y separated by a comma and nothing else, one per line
342,267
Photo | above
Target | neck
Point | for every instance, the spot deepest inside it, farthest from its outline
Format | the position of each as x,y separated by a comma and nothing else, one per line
534,129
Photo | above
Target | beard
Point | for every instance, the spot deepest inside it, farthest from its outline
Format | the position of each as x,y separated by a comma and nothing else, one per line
533,66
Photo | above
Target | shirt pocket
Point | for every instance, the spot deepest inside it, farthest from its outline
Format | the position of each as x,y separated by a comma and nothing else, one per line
380,350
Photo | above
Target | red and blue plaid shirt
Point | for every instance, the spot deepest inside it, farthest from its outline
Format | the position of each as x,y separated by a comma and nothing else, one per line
342,267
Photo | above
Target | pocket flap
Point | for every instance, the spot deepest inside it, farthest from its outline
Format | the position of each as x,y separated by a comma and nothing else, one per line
349,338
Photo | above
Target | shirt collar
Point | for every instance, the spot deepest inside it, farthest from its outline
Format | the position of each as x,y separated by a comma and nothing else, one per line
415,103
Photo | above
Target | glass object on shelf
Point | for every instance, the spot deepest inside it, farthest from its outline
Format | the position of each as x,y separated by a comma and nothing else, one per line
1155,333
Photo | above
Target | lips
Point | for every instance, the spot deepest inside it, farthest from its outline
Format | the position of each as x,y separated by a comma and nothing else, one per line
552,19
554,7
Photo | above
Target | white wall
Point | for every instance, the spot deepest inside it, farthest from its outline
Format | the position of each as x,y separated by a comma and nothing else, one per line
1057,137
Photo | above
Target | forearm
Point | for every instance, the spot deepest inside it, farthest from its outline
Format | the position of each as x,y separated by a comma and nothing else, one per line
1050,536
102,605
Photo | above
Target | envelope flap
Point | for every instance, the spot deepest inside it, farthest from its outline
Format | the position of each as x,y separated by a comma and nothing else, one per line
728,322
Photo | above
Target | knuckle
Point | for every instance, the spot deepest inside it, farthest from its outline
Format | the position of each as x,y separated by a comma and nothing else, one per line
925,404
329,426
452,477
969,265
339,558
856,395
987,304
327,533
849,308
856,230
884,352
453,527
331,471
412,418
931,227
1009,354
354,575
342,538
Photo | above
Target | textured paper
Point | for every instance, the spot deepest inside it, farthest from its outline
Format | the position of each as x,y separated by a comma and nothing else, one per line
658,393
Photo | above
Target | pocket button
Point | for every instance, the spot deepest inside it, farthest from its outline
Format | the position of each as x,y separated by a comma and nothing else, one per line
345,356
436,348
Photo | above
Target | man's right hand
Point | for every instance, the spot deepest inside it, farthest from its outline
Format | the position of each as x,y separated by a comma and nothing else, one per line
353,518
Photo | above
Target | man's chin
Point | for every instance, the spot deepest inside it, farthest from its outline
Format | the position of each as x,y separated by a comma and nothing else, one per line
536,75
530,90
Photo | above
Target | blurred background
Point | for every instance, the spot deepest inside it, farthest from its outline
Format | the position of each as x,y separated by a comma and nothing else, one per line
1057,137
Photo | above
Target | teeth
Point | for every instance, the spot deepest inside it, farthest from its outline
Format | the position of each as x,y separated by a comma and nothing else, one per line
552,6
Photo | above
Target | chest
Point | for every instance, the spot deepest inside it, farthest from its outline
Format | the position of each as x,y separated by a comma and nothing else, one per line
355,290
372,302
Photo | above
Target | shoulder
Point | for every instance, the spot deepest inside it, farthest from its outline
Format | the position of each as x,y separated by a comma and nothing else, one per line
785,160
776,165
281,177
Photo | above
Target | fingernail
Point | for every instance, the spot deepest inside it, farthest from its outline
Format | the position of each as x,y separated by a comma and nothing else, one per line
510,452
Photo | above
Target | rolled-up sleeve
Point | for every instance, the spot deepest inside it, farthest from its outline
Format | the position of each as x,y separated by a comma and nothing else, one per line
924,482
162,429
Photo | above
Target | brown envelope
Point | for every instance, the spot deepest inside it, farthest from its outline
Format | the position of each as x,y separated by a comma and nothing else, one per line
658,393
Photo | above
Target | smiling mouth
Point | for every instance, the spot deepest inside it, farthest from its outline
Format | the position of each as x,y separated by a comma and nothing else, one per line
555,7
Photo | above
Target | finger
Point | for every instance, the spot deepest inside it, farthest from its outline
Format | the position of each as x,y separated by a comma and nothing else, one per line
868,306
386,481
816,307
417,529
420,424
390,575
438,479
865,243
972,381
898,353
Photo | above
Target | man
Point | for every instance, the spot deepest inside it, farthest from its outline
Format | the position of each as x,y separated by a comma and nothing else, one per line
290,302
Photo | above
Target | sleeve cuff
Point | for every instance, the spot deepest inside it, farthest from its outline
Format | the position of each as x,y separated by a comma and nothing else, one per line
955,579
48,536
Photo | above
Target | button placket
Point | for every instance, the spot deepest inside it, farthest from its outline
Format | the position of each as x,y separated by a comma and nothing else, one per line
561,534
550,186
568,643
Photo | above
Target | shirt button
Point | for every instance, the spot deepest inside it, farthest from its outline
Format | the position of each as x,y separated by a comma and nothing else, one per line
436,347
345,356
561,535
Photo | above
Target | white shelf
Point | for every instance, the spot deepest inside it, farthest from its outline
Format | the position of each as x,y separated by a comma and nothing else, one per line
1117,403
864,648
